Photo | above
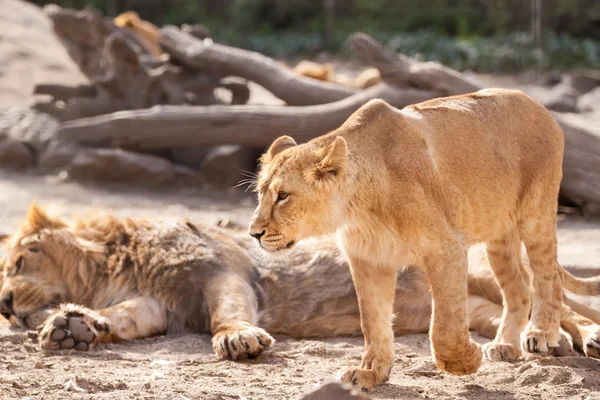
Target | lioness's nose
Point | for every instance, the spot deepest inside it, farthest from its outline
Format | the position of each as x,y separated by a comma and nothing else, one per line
257,236
6,306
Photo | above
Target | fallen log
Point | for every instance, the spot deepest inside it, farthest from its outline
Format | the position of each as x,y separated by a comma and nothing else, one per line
581,166
212,58
65,92
400,70
166,126
124,70
581,162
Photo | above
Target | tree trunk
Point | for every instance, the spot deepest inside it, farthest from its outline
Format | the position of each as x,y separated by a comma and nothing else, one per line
218,59
251,125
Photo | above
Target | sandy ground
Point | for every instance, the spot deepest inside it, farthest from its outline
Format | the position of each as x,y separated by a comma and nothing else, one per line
180,367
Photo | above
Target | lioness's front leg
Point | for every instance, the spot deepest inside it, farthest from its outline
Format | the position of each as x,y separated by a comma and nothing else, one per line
233,316
81,328
452,348
375,288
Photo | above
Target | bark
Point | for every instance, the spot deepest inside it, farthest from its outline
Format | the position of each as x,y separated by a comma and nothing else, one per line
217,59
252,125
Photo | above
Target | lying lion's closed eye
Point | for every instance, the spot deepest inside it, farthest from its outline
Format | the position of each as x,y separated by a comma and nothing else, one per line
19,264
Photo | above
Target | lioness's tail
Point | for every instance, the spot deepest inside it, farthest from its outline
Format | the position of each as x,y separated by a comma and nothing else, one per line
581,286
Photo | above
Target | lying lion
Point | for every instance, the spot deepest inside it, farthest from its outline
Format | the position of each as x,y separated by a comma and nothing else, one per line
105,279
145,31
326,73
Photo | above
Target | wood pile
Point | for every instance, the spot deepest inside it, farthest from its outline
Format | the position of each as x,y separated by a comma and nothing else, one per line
155,106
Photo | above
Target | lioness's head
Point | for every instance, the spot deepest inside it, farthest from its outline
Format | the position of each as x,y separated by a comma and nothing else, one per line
31,278
297,191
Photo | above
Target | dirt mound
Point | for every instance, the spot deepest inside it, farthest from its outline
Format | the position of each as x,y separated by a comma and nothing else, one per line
30,53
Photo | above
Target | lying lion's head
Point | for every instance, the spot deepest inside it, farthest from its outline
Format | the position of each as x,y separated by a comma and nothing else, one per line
31,278
297,191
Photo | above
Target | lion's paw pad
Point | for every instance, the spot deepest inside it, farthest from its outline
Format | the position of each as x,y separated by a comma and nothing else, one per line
70,331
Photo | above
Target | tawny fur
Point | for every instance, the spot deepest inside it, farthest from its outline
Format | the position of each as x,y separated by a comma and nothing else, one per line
419,186
326,73
146,31
310,294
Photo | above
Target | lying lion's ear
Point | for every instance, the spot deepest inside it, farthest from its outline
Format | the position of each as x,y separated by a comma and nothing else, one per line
280,144
38,219
333,163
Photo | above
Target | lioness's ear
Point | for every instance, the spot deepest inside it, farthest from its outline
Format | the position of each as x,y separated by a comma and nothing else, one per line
334,161
38,219
280,144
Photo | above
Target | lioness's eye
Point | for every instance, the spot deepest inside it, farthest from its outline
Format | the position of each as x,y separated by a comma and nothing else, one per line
19,264
281,195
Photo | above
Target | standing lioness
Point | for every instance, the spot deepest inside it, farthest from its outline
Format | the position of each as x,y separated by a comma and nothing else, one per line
418,187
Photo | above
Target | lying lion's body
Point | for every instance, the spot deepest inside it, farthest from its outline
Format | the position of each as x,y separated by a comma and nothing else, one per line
419,186
146,31
129,279
326,73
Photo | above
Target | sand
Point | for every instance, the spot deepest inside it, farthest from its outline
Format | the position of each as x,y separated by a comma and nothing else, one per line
184,366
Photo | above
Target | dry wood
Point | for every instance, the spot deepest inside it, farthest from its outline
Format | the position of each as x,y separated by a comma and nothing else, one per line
581,165
403,71
124,73
65,92
165,126
218,59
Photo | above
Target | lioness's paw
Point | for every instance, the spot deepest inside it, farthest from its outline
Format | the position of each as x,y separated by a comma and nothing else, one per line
591,344
241,343
498,351
535,340
360,377
463,362
71,328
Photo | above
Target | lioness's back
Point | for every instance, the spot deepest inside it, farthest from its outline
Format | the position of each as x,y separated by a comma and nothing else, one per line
492,146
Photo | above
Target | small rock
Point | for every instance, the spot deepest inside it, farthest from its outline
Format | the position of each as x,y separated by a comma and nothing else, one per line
118,165
191,157
71,386
43,365
57,155
14,154
334,391
29,126
223,165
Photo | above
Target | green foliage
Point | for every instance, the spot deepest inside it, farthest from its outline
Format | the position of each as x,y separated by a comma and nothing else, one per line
483,35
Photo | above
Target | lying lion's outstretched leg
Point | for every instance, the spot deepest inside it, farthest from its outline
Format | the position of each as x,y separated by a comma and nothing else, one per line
233,316
375,288
505,260
584,332
80,328
452,348
484,316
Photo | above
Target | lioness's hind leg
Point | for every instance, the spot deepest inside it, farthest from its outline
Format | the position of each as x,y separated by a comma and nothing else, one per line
504,257
542,333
